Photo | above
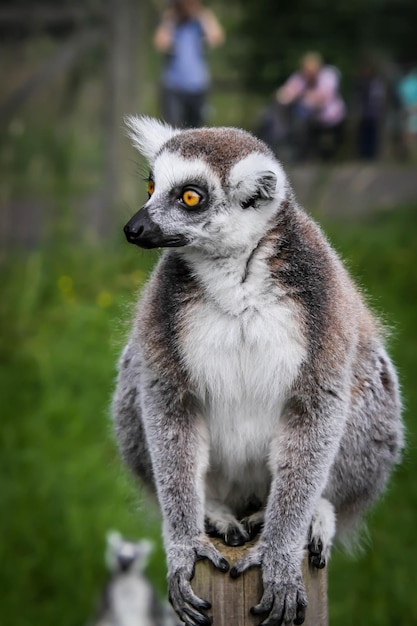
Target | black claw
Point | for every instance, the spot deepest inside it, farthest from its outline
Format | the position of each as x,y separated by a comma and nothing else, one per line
255,611
223,565
205,605
315,549
251,529
301,614
234,573
234,538
317,561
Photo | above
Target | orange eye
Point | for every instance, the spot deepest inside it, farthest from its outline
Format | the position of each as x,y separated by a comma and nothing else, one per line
151,187
191,198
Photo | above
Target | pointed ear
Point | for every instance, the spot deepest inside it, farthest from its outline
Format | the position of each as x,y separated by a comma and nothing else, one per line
145,549
266,183
113,538
257,186
257,178
148,135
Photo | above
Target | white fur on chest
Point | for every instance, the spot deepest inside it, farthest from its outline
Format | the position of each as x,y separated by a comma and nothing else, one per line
132,601
243,348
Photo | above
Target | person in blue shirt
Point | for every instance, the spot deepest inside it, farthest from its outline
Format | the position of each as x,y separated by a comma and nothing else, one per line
185,30
407,92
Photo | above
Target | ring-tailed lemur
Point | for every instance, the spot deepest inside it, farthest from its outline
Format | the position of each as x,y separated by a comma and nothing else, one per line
128,598
255,392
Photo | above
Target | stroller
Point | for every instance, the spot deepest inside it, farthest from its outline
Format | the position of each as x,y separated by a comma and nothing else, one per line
273,126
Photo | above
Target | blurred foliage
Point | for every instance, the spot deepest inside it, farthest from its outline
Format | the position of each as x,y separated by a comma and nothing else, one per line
376,587
64,313
62,486
276,34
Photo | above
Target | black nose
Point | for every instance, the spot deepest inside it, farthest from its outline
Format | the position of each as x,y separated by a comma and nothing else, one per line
125,562
142,231
133,231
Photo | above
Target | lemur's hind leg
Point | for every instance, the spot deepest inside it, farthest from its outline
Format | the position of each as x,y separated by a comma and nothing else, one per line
253,524
220,522
321,533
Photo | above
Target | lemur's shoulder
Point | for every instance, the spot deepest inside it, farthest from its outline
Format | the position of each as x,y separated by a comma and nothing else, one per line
332,308
160,313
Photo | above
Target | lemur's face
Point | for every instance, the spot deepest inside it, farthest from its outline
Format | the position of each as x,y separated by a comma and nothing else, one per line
213,189
123,556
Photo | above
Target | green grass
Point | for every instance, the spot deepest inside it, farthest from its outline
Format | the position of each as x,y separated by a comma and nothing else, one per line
378,585
63,316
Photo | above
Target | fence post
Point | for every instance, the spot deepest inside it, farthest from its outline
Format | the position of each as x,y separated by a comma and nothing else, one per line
231,599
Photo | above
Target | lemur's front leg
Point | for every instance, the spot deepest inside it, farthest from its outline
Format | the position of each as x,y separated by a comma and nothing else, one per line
178,442
301,457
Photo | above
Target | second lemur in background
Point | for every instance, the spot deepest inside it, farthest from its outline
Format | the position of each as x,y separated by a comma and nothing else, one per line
128,598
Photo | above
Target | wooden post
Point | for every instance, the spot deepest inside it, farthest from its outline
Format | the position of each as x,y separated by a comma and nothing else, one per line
231,599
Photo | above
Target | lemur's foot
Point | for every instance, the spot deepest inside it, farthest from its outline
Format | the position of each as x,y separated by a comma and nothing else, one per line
321,533
253,524
227,528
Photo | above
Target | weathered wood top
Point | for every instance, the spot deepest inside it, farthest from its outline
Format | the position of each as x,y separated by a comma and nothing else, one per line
231,599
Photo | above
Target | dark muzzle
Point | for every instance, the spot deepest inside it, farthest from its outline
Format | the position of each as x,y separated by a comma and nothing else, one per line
143,232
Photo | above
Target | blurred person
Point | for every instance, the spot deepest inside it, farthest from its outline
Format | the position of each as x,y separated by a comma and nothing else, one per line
407,92
182,35
370,103
317,108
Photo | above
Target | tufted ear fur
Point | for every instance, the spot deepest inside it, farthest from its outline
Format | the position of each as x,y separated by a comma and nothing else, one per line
148,134
256,178
264,187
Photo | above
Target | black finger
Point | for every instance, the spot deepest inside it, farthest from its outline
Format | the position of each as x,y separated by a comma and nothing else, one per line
188,595
315,547
222,565
252,529
251,559
276,616
258,609
184,619
264,605
210,552
301,611
317,561
199,618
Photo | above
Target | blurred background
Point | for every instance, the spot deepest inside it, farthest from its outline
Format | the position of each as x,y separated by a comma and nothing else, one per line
70,72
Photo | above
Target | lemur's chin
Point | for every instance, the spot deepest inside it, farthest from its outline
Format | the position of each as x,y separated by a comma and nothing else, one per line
149,244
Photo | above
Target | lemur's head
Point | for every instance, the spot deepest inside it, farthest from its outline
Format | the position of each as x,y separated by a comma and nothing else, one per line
124,556
214,189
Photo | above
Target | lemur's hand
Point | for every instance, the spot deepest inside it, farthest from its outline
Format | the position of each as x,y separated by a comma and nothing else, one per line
181,559
284,598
